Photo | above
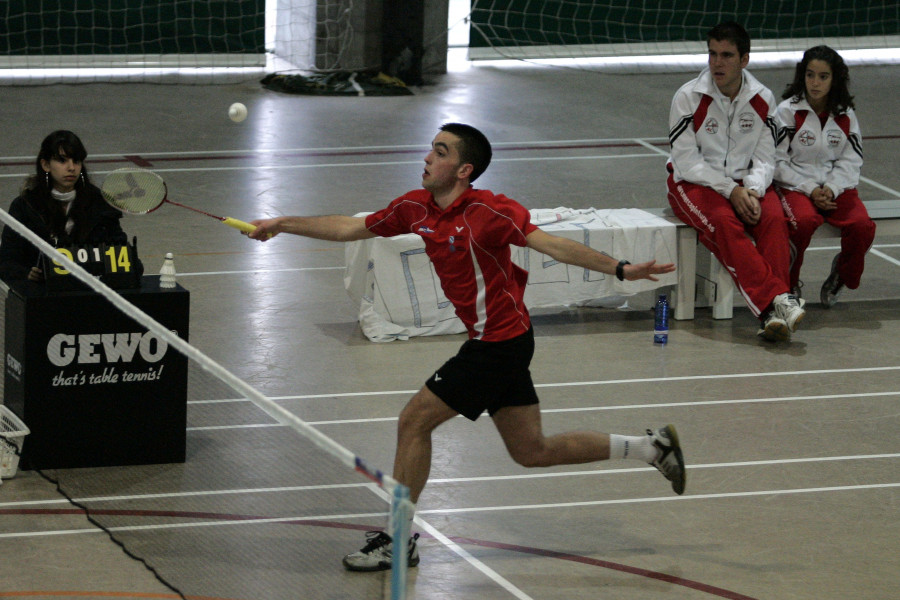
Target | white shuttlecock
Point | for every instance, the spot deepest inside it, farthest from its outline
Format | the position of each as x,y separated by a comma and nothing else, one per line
237,112
167,272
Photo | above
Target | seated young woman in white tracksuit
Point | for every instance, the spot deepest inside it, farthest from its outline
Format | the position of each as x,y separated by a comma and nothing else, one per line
818,160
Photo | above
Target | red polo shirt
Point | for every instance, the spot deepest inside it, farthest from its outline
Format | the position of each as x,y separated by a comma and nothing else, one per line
468,244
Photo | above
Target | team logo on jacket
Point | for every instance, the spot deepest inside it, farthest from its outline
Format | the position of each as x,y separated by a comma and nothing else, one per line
745,122
456,242
807,138
834,138
425,229
711,126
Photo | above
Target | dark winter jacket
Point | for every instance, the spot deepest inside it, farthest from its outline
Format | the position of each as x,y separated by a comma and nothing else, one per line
96,222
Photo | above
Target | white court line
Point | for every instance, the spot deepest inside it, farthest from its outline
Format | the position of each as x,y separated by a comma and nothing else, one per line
558,505
838,247
255,271
231,492
458,550
349,149
591,383
719,376
451,480
341,268
464,554
690,467
345,165
554,410
873,251
263,521
883,188
724,402
506,508
650,146
260,167
595,157
880,254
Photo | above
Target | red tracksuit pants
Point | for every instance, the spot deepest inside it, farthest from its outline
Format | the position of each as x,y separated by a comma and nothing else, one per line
850,216
760,270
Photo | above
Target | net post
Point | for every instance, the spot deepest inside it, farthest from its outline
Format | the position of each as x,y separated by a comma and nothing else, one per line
399,528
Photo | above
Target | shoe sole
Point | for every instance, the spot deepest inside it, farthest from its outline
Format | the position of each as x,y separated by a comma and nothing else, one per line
777,332
378,567
382,566
677,486
793,326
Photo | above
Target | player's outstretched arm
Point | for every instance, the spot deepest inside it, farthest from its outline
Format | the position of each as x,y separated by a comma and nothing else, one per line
574,253
336,228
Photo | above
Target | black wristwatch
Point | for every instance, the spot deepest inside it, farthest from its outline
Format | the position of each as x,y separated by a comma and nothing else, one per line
620,269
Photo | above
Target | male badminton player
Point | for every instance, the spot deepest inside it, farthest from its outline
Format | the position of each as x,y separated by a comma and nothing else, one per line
467,234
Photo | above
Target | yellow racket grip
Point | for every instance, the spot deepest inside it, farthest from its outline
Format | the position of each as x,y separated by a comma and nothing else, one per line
242,225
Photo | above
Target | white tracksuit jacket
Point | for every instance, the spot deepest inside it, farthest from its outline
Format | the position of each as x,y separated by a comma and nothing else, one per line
715,141
810,155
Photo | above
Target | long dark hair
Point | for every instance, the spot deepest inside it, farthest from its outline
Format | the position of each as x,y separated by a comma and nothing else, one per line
40,184
839,98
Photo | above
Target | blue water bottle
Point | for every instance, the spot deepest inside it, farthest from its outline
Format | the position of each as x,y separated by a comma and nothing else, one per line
661,322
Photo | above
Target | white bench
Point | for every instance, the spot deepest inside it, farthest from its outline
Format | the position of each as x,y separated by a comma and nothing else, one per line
703,282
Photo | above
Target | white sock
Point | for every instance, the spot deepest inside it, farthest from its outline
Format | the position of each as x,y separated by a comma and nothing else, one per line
638,447
412,515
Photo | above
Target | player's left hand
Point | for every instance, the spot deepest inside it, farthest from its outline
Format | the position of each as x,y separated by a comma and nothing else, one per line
823,198
746,205
646,270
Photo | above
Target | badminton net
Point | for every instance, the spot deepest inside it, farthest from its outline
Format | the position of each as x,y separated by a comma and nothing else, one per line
264,505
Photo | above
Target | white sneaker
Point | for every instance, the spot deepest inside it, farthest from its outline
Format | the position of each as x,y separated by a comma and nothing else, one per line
669,459
377,554
774,329
786,308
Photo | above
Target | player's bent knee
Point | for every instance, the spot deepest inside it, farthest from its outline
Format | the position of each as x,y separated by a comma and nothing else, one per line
407,419
413,420
423,413
530,462
530,457
863,230
806,227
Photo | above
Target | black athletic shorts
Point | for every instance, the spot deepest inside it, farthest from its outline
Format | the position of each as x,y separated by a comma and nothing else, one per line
487,376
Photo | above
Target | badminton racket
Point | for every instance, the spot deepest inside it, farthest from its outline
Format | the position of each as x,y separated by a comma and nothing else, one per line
139,191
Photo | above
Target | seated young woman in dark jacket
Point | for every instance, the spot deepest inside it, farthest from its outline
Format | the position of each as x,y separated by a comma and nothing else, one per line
60,204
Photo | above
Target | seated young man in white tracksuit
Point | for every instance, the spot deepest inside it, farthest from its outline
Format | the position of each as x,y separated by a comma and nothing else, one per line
722,135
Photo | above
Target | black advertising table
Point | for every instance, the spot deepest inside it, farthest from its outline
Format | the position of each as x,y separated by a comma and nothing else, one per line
94,387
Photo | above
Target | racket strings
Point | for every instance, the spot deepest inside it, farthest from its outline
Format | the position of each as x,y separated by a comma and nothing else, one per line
134,191
139,191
